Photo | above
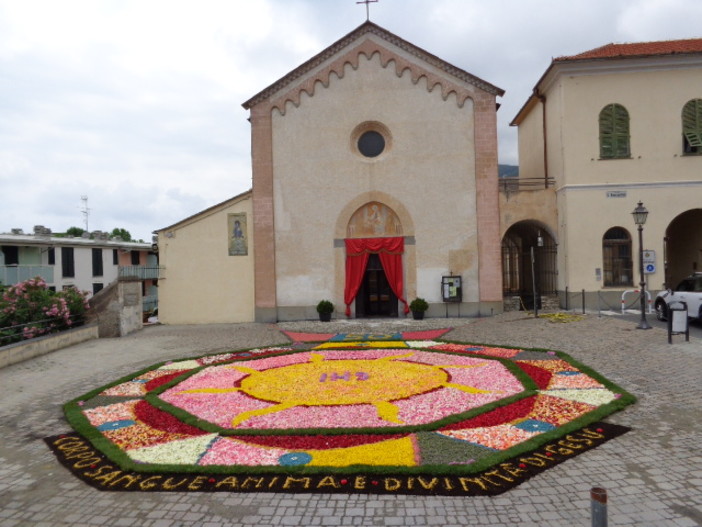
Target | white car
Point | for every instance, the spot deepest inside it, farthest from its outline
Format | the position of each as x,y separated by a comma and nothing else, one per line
688,291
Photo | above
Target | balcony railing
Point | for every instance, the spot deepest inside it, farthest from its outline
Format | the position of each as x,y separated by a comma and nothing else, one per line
13,274
517,184
138,272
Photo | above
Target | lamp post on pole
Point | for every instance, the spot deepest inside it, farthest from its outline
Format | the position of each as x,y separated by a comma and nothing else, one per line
640,214
535,295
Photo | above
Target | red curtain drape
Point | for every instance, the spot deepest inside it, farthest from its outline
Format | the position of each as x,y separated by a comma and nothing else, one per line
389,250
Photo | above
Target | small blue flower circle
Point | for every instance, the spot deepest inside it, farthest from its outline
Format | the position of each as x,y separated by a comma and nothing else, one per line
294,458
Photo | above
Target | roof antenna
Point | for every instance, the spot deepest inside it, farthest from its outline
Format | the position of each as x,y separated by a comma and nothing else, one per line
367,8
85,210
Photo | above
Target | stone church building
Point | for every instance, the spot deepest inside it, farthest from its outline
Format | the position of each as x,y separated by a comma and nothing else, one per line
374,180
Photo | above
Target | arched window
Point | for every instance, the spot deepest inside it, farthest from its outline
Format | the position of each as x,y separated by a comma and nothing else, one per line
692,127
616,258
614,132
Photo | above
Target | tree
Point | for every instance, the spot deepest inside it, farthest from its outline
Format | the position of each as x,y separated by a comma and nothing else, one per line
122,233
75,231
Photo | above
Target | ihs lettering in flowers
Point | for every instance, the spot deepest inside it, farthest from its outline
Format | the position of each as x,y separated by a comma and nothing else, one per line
346,376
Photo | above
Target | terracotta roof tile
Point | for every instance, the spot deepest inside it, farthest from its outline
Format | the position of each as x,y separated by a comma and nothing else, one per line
639,49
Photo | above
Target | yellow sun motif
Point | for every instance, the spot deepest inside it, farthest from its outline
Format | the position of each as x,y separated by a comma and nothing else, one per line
322,382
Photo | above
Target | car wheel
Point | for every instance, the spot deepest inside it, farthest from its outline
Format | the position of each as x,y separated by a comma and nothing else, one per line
661,310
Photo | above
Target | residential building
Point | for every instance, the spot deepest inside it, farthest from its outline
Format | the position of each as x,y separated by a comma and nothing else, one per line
88,263
604,130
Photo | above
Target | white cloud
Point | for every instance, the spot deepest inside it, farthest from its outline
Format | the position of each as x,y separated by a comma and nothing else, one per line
137,104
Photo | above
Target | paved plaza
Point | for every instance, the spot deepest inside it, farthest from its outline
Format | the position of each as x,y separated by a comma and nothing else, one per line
653,474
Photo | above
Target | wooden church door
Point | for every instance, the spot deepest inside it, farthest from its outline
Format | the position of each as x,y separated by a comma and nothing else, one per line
375,297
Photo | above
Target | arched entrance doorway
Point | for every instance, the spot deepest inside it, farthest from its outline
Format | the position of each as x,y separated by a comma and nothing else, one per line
517,276
374,262
683,247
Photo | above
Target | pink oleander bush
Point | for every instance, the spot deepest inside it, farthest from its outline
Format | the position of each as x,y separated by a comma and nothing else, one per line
38,310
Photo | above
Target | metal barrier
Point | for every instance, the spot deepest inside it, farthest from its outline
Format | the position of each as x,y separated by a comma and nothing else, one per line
19,332
648,296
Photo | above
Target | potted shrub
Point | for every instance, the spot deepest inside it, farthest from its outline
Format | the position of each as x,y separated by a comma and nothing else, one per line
325,309
418,307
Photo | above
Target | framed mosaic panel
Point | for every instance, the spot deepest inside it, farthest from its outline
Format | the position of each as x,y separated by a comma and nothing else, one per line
238,242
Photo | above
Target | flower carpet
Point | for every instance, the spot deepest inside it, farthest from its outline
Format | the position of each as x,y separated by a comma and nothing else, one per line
403,413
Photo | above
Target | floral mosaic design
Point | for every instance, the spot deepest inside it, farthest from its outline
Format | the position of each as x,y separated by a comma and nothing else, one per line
414,405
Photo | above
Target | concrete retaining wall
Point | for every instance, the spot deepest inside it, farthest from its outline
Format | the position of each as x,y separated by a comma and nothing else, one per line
28,349
118,308
115,311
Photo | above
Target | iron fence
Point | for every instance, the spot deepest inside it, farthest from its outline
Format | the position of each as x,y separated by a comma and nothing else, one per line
139,272
518,184
38,328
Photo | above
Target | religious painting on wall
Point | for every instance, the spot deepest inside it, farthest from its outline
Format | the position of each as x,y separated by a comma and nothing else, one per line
374,219
237,234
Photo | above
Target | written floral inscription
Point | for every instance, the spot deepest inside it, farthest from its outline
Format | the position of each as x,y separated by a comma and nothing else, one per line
346,376
90,465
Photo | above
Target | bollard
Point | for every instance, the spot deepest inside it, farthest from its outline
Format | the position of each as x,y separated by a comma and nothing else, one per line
583,301
598,506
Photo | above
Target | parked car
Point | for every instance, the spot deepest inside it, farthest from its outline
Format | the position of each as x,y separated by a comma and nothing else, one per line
688,291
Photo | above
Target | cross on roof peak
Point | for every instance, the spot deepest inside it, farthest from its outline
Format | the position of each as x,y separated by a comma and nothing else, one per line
367,2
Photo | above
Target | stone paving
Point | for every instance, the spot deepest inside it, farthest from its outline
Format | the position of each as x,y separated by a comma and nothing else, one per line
653,474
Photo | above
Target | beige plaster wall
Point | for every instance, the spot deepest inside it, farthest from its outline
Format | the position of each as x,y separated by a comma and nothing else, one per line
654,100
201,283
590,214
657,173
428,169
531,144
534,205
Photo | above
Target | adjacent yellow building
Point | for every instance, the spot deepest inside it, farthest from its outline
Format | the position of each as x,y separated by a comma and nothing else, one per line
602,131
207,266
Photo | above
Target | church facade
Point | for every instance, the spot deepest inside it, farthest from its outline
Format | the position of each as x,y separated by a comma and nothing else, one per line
370,150
374,177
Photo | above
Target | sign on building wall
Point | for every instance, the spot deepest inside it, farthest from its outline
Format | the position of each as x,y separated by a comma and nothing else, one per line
238,245
616,194
649,261
451,290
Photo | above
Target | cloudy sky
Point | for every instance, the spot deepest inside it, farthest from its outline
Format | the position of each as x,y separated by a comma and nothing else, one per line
137,104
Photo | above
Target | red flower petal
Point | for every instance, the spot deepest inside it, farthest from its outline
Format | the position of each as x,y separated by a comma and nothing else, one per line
163,379
160,420
541,377
498,416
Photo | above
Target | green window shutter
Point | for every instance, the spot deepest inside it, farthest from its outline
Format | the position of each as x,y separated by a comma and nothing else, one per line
693,138
692,116
614,132
692,125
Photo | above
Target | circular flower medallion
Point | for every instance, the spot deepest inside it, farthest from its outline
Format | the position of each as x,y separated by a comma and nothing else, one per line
342,389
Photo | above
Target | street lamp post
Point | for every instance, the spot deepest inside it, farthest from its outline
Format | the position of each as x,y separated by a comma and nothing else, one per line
640,214
535,296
